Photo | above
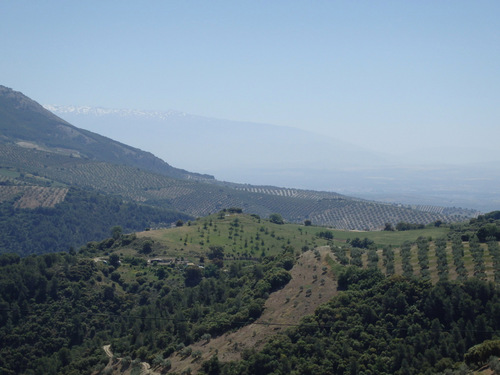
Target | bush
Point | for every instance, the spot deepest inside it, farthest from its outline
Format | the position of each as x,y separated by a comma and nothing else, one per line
479,354
326,234
276,219
278,279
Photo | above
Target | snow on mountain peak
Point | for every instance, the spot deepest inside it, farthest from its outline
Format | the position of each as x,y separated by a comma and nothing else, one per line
99,111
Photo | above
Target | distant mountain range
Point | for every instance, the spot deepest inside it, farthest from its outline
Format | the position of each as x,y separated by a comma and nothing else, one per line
228,149
35,141
263,154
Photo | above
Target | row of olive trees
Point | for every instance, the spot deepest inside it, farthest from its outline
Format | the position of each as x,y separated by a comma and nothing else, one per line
346,255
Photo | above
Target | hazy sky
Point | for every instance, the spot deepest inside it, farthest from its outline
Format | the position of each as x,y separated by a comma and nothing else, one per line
389,75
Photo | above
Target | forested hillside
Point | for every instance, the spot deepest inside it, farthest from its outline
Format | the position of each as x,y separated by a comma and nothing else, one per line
164,297
58,309
81,217
386,326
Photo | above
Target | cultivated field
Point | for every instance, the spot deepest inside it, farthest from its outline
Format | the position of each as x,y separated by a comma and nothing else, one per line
203,198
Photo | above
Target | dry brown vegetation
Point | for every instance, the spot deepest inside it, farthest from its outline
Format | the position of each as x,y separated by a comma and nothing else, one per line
312,284
33,196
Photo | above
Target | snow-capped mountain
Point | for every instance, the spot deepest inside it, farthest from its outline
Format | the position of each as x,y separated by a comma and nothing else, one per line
99,111
264,154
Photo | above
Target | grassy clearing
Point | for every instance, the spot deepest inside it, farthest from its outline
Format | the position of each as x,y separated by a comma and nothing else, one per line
246,237
396,238
241,236
9,173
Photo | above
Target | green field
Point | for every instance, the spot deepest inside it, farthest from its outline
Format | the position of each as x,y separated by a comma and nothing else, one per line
214,230
201,198
396,238
246,237
242,236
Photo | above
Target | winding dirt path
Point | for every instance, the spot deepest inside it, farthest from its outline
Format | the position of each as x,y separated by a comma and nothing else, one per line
146,367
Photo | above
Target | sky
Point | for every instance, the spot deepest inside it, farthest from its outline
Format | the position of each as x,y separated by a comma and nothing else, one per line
399,77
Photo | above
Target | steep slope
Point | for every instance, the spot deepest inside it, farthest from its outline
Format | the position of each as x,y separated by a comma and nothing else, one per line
199,199
303,294
26,123
281,309
34,141
265,154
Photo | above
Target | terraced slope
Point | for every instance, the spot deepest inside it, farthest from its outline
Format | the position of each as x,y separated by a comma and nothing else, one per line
199,198
33,196
36,141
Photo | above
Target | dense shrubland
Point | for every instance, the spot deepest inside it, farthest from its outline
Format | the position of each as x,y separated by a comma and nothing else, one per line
385,326
422,307
58,309
83,216
484,227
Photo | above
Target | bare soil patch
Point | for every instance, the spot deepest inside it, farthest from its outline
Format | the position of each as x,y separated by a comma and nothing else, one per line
312,284
33,196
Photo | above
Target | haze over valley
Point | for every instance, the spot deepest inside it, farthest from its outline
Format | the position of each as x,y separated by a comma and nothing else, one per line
264,154
249,188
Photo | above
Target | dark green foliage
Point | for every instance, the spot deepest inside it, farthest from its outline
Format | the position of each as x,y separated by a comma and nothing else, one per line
479,354
406,259
442,262
494,250
354,277
484,227
278,279
477,253
356,254
408,226
57,309
365,243
457,250
83,216
384,326
276,219
192,276
9,258
114,260
388,227
216,252
423,256
116,232
216,255
341,254
326,234
372,258
388,260
147,247
212,366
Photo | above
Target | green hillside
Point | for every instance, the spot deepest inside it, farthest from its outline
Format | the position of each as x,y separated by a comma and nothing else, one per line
199,198
56,154
155,295
82,217
26,123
